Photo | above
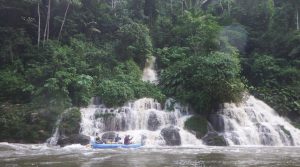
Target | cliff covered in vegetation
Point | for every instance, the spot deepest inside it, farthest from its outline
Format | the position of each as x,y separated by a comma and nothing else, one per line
55,54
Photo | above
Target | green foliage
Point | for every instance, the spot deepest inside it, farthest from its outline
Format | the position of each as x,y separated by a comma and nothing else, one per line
276,82
233,37
12,86
115,93
70,123
135,43
22,123
197,125
205,80
285,100
297,125
67,73
104,46
196,31
168,56
13,44
126,85
264,67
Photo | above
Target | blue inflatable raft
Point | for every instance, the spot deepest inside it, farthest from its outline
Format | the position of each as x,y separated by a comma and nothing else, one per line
103,146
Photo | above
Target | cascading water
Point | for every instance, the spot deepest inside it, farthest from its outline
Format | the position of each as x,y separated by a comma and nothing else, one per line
149,73
250,123
55,136
143,117
254,123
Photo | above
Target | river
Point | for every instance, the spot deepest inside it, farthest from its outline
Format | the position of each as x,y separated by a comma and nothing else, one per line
26,155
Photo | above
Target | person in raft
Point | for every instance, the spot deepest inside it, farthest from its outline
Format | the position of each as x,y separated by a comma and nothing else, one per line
117,138
127,140
98,140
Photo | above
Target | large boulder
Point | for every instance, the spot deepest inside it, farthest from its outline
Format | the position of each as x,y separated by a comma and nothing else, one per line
153,122
108,136
73,139
171,136
214,139
70,122
197,125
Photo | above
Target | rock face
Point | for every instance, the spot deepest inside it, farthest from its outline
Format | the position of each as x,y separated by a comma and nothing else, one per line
108,136
217,122
153,122
214,139
171,136
73,139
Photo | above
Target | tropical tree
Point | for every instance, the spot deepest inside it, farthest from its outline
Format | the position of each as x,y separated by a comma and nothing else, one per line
69,2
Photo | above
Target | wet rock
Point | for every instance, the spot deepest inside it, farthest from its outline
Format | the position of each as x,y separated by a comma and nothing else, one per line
153,122
217,122
214,139
197,125
171,136
73,139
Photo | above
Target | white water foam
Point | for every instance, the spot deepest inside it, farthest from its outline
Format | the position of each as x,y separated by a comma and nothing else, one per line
143,117
149,73
255,123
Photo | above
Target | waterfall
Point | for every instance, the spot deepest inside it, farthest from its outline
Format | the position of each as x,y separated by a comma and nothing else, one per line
52,141
250,123
149,73
254,123
143,117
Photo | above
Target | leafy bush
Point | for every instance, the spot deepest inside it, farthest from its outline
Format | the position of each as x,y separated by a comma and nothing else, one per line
115,93
135,42
204,80
12,86
125,84
24,123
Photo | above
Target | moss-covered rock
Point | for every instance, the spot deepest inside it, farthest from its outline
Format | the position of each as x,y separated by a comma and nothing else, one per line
196,125
70,123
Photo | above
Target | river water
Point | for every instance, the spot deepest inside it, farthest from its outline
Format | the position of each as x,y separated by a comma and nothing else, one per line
17,155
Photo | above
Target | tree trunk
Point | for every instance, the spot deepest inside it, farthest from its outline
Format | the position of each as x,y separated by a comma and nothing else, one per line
203,2
112,4
39,26
185,4
46,33
64,20
49,10
297,16
229,8
182,6
221,5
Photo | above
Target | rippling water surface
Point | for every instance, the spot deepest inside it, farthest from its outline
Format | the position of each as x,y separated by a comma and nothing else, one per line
15,155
